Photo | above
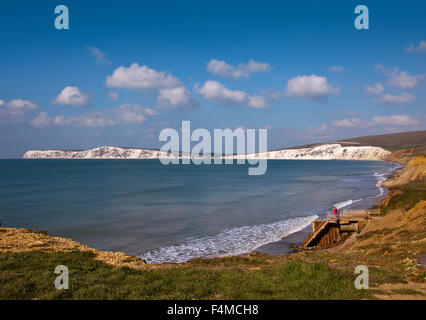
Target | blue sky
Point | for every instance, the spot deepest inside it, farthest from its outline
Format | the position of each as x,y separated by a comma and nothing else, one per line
126,70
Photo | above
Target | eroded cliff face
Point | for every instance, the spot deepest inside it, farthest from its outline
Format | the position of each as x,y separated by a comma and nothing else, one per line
327,152
96,153
404,156
414,170
322,152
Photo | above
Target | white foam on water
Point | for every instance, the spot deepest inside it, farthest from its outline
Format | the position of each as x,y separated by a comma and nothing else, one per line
345,203
382,177
230,242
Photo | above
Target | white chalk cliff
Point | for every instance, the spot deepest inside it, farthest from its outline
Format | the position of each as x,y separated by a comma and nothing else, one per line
96,153
332,151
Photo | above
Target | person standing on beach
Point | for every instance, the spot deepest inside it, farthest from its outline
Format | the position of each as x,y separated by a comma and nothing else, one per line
336,212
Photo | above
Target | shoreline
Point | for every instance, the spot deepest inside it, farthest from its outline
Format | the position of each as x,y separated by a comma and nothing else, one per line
276,248
283,246
392,245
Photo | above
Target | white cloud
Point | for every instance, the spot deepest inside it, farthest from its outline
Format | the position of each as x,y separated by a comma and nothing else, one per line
400,79
113,96
141,77
19,104
15,110
221,68
42,120
381,121
386,98
99,56
125,114
151,112
345,123
72,96
375,89
170,89
130,114
389,99
257,102
420,48
310,87
175,97
336,69
214,90
93,119
323,127
396,120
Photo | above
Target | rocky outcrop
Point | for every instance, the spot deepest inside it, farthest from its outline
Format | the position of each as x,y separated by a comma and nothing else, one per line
322,152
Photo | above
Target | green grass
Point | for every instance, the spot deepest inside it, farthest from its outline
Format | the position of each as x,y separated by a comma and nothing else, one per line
412,193
29,275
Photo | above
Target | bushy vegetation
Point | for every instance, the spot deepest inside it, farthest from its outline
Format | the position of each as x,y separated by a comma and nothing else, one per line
406,196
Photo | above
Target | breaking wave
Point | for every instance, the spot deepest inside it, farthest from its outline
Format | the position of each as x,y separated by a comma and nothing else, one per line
381,177
230,242
345,203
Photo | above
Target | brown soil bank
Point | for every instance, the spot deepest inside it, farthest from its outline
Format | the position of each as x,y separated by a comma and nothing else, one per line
398,236
415,170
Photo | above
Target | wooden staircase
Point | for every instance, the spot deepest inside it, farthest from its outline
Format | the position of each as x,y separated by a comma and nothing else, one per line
325,233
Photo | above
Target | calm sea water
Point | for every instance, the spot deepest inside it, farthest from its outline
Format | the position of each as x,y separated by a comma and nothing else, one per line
177,212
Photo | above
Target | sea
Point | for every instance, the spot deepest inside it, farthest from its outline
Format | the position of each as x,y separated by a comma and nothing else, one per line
173,213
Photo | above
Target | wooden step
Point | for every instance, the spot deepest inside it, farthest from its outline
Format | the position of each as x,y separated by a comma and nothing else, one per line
317,232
